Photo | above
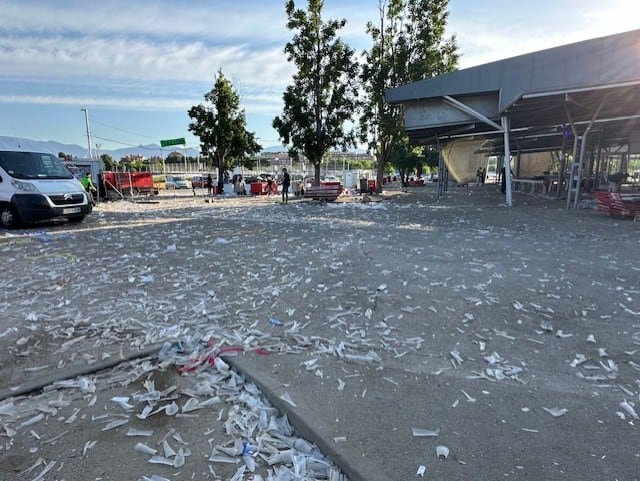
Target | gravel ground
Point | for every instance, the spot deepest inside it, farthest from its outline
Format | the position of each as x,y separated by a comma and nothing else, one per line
225,274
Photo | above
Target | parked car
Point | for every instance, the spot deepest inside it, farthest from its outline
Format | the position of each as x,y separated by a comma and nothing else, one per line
254,178
173,182
200,181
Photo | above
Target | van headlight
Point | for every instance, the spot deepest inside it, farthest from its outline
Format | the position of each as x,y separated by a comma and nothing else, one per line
24,186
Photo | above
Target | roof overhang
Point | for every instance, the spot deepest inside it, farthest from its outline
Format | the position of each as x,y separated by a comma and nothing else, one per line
543,94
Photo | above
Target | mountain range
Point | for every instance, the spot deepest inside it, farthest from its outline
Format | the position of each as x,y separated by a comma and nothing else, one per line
79,152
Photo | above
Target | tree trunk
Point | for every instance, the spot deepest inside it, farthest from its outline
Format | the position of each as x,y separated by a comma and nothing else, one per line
316,172
379,177
220,178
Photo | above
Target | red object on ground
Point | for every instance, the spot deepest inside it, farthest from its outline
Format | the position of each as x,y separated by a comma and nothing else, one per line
617,204
325,191
139,182
258,188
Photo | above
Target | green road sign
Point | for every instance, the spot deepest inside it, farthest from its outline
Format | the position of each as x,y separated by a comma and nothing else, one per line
167,143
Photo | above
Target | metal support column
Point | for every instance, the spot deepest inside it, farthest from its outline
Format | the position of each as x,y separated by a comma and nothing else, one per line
507,159
573,194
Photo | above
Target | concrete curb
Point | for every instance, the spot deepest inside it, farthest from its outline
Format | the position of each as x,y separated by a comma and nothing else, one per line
301,417
305,422
75,371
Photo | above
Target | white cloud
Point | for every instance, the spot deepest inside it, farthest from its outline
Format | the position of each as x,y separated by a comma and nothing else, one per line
162,55
489,34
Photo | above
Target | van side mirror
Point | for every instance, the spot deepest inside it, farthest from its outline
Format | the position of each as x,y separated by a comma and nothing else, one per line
0,178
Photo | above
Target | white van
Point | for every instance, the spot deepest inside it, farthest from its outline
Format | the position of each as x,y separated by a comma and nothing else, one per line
36,186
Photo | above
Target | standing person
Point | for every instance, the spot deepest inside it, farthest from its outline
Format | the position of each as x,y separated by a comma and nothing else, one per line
89,186
478,176
286,182
483,175
503,179
238,185
269,186
209,185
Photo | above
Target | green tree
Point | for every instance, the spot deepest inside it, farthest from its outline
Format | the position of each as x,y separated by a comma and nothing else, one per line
220,124
406,160
108,162
175,157
323,95
431,158
408,45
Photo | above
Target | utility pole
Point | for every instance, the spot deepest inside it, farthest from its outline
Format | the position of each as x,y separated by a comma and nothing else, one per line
86,121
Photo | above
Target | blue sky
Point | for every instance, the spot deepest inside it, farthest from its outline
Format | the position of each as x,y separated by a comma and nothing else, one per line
138,66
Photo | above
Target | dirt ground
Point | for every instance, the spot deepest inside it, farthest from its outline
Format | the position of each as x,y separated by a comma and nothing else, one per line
445,274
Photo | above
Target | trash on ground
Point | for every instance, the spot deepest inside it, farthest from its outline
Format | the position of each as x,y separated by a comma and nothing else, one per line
556,412
419,432
442,452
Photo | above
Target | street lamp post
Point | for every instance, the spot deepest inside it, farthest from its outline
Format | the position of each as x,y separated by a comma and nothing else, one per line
86,121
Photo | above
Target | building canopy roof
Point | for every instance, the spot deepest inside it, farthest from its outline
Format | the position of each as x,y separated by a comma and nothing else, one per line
542,93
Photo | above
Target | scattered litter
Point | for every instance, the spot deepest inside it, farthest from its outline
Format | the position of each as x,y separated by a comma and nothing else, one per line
161,460
143,448
455,354
286,397
30,422
115,423
442,452
123,401
194,301
630,409
579,359
562,335
87,446
430,433
504,334
7,409
469,398
546,326
556,412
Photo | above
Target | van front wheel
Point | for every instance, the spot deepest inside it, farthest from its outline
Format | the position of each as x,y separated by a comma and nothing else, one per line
9,218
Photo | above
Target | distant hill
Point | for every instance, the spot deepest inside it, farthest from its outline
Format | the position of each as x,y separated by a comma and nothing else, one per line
49,146
79,152
76,151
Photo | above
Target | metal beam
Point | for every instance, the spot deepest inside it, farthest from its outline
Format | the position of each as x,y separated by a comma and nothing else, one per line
551,93
468,110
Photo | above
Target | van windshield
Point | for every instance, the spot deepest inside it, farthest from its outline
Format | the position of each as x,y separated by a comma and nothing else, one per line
32,165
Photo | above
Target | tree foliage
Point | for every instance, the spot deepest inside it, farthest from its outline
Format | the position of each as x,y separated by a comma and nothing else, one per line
220,124
408,44
108,162
406,160
175,157
323,94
